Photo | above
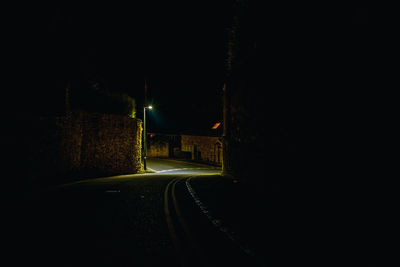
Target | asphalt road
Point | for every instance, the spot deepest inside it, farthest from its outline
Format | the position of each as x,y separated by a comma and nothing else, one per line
153,219
182,214
172,166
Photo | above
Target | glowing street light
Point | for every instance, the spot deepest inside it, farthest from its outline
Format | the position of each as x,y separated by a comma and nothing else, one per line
144,136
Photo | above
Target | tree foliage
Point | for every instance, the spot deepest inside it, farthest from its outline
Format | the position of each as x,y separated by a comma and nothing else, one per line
95,97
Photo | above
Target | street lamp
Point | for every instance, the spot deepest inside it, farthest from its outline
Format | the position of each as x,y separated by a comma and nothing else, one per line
144,136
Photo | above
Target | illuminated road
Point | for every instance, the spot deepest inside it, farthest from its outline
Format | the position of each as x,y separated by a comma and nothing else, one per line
171,166
152,219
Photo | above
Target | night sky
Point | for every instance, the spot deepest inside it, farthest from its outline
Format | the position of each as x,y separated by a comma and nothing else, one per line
178,47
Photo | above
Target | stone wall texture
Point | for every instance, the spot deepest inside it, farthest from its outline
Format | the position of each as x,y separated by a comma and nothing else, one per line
157,149
203,148
80,145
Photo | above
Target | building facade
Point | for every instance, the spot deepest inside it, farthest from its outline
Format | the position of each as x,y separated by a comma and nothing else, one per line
207,149
203,148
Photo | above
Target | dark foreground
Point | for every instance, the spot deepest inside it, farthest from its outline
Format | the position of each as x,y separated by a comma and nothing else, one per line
183,215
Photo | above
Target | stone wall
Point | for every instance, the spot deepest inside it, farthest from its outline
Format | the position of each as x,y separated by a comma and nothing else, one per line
111,144
163,145
203,148
65,148
157,146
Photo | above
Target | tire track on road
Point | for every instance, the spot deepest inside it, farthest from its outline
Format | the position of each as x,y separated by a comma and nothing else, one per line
185,244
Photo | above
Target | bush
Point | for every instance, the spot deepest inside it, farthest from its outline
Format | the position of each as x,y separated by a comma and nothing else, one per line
96,98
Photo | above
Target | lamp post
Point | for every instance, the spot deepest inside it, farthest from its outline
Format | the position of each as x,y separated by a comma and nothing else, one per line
144,136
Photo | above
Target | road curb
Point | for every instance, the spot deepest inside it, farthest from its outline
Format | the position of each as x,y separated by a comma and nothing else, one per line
150,170
217,222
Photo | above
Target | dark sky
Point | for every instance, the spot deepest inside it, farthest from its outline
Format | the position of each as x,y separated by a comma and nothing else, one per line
178,46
